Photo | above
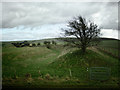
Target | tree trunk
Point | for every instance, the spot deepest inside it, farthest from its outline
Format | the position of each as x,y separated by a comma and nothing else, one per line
83,48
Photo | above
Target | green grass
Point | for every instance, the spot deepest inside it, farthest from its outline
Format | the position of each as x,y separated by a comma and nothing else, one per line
110,46
76,60
51,67
26,59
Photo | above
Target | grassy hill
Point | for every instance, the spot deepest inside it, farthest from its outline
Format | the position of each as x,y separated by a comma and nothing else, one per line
110,46
59,66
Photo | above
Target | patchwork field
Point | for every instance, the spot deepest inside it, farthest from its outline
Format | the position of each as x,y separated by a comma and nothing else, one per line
58,66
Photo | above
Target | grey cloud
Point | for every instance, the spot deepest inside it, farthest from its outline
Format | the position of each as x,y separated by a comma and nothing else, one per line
25,34
37,14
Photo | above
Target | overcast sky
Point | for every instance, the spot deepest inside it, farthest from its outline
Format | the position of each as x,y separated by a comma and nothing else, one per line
26,21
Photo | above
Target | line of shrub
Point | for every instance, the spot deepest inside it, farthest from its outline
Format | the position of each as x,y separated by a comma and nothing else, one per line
25,43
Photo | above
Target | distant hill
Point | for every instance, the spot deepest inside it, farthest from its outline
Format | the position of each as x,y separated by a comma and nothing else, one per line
109,39
56,39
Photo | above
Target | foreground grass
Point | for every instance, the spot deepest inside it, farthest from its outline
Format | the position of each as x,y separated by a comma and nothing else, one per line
27,59
52,67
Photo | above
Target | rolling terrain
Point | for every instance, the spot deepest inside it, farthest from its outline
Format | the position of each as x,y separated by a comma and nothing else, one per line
58,66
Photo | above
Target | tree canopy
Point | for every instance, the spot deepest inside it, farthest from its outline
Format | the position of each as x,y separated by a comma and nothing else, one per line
85,31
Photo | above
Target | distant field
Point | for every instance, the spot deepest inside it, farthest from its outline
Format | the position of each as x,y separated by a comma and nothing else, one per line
59,66
110,47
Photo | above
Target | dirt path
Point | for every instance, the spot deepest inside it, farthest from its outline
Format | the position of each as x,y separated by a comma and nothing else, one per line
65,51
94,49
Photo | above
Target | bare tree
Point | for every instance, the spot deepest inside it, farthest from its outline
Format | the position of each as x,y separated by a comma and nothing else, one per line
84,31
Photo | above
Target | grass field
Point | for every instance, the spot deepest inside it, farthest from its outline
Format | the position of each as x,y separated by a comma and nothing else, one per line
110,46
56,67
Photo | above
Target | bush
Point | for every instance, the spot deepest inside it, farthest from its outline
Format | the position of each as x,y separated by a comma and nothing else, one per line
33,45
38,44
46,42
48,46
21,44
53,42
25,43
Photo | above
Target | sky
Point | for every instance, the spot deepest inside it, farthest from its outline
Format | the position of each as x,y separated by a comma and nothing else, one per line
40,20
